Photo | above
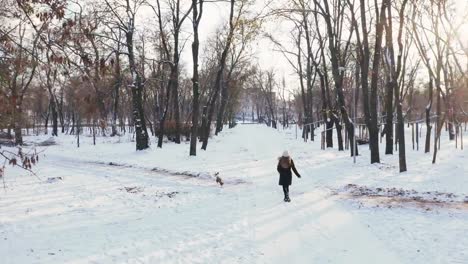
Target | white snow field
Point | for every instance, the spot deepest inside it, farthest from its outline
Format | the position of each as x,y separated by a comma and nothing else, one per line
145,209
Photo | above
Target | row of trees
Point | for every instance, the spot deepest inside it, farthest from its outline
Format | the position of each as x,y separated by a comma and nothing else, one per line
114,63
372,56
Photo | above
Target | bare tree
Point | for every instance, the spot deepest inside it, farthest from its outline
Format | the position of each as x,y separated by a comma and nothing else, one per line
338,48
126,23
217,84
173,55
432,55
23,38
364,54
197,12
246,32
395,70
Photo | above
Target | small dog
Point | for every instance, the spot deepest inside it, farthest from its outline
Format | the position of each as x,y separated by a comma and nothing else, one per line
218,179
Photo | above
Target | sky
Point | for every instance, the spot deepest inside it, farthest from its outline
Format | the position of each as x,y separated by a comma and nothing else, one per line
263,51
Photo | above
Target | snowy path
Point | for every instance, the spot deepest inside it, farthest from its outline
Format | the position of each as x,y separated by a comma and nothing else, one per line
313,228
316,230
89,218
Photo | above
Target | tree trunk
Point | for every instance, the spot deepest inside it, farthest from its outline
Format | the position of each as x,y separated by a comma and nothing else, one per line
46,121
60,112
395,71
326,113
204,122
78,131
438,132
337,75
373,119
117,83
137,89
329,133
304,96
428,118
339,133
17,120
388,129
195,78
175,98
401,133
222,107
53,109
164,115
94,132
72,129
440,122
309,113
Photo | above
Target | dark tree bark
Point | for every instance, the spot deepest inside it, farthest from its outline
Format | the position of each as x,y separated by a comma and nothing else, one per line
370,97
222,106
395,71
195,78
304,97
337,56
53,110
177,19
163,117
175,90
427,147
373,118
388,129
17,119
434,69
117,84
51,77
46,121
136,86
61,113
328,116
439,121
309,82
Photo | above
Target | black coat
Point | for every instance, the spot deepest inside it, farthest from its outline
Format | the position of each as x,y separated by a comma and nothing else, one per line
285,177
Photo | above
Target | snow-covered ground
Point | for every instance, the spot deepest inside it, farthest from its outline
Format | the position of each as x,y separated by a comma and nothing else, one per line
116,205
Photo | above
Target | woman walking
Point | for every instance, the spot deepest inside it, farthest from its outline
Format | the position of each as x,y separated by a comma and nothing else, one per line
285,164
